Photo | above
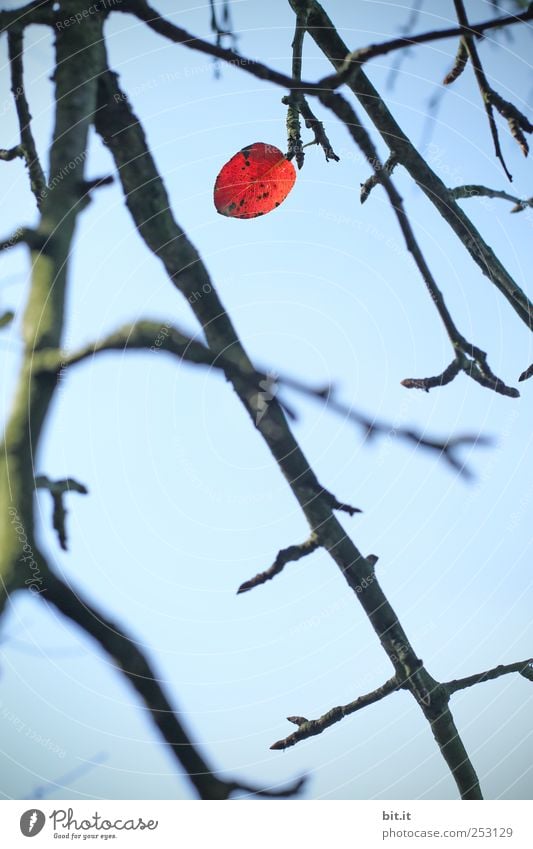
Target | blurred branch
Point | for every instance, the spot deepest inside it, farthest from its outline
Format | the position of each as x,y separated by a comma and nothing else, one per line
311,727
6,318
286,555
524,667
158,335
37,12
27,143
364,54
57,490
133,664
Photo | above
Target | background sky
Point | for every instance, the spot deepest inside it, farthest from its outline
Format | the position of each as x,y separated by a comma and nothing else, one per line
185,501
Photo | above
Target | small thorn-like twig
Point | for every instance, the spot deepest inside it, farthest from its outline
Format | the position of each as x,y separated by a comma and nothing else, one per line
461,58
342,507
312,727
524,667
374,179
7,155
57,490
526,374
15,239
6,318
286,555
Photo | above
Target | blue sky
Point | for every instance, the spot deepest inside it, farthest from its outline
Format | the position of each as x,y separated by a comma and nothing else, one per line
185,502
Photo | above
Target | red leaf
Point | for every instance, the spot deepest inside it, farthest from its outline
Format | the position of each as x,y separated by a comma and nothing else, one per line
255,181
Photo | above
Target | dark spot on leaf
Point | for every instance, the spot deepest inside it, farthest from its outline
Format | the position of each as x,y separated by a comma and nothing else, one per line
246,151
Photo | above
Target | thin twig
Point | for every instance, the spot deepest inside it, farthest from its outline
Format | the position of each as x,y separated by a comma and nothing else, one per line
286,555
459,64
473,361
294,138
516,120
37,178
311,727
475,190
522,666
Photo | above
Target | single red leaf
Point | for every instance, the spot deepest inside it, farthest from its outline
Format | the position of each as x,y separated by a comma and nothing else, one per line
254,181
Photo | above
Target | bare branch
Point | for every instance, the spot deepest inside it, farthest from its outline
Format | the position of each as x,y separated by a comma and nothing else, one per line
482,82
323,31
37,12
57,490
27,143
524,667
475,190
473,362
158,335
364,54
128,657
311,727
471,359
143,188
526,374
286,555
